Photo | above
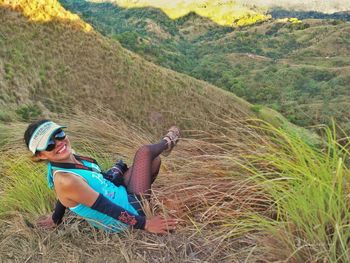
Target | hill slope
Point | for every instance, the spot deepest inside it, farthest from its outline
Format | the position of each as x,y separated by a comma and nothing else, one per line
300,68
61,68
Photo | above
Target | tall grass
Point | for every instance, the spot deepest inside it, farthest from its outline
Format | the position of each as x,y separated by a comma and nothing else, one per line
266,188
309,190
24,186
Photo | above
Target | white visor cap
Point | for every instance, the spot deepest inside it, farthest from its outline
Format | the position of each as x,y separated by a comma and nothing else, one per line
41,136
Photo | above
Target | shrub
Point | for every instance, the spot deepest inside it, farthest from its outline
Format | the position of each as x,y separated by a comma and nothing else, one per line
29,112
5,116
9,72
256,108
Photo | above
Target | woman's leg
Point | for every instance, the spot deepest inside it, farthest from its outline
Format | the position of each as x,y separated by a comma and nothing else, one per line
142,173
155,168
155,171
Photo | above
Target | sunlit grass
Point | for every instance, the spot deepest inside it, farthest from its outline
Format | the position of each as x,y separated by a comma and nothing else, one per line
44,11
228,13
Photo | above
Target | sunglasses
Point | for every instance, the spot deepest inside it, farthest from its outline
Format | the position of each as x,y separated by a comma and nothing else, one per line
59,135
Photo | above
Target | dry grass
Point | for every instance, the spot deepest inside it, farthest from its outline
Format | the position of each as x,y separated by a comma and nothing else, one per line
77,242
199,183
209,181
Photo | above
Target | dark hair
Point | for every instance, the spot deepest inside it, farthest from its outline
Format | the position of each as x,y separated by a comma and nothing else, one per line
30,130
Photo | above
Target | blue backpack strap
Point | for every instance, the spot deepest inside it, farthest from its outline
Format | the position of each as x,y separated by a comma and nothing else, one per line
49,175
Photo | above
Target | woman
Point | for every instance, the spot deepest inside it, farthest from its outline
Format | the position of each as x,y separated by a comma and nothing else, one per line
80,185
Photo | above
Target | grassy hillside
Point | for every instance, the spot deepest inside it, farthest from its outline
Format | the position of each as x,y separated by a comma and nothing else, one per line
283,13
54,67
299,68
247,191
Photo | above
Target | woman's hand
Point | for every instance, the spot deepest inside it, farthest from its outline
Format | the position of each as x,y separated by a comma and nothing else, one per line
159,225
46,222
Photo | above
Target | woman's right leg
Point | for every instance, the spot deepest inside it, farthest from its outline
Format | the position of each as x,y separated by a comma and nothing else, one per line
154,173
140,176
146,164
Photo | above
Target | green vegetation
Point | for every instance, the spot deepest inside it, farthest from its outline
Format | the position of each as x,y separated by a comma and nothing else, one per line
25,187
309,190
256,108
336,18
300,68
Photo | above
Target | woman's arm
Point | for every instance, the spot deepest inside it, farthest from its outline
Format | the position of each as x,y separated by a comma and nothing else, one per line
75,191
58,213
53,220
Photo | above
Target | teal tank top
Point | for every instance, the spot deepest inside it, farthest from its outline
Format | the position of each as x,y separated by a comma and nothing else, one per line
116,194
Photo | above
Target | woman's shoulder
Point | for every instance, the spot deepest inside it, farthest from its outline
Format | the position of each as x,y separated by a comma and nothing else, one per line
66,179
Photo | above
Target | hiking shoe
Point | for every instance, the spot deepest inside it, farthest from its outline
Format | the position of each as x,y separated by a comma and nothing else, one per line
172,137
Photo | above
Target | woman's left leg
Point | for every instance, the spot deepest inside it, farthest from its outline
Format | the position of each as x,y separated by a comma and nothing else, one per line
155,168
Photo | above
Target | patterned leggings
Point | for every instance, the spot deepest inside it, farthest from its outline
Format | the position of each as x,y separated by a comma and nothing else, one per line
140,176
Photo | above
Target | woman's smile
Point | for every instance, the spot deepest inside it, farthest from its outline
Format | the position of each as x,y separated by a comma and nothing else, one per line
61,148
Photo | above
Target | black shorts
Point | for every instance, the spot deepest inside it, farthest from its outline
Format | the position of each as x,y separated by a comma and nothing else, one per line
134,200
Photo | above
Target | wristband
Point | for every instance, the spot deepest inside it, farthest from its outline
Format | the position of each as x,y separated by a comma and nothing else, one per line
58,213
105,206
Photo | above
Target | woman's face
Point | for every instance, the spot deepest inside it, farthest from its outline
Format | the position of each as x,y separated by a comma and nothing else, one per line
61,152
